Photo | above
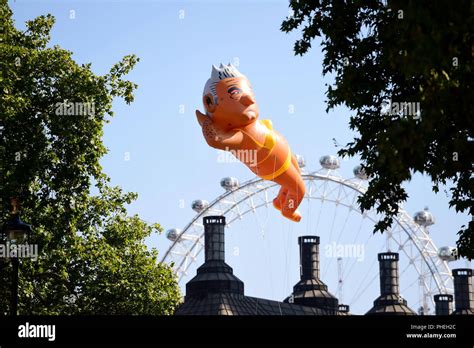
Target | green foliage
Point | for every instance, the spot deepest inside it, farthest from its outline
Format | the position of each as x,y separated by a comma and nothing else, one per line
93,259
415,51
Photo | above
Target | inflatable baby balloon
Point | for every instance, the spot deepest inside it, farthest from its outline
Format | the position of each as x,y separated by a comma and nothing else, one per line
231,123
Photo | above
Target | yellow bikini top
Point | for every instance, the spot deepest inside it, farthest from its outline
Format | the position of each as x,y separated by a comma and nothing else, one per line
270,139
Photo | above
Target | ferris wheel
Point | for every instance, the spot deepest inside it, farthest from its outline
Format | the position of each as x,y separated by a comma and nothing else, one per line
330,206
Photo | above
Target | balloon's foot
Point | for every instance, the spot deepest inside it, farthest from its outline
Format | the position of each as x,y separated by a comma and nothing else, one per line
277,203
292,215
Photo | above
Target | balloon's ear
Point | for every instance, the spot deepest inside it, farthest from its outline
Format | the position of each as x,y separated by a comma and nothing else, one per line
209,103
201,117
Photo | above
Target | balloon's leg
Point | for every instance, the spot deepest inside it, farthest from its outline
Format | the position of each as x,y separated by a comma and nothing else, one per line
294,187
289,209
280,198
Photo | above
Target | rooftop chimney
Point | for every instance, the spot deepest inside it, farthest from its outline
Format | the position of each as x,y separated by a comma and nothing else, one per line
309,257
214,276
463,291
214,243
388,265
389,302
443,304
310,290
343,309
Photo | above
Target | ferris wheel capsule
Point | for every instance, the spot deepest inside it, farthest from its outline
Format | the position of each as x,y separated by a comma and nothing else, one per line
229,183
360,173
447,253
199,205
424,218
173,234
301,161
329,162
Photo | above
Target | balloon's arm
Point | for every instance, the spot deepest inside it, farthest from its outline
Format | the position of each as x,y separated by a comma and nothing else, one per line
218,139
230,140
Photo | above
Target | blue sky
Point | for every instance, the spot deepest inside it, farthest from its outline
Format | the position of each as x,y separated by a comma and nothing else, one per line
158,151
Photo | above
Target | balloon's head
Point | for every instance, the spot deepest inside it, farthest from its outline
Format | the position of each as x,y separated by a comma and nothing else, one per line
229,99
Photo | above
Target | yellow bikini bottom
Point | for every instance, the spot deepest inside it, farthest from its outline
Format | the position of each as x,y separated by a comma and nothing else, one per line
280,171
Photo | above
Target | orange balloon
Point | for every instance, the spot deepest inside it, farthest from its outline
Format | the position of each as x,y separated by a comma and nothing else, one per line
231,123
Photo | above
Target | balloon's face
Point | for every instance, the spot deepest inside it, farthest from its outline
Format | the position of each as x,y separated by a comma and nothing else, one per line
236,105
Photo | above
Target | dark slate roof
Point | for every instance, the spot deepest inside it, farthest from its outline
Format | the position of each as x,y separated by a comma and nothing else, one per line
214,277
463,312
236,304
313,293
391,304
215,290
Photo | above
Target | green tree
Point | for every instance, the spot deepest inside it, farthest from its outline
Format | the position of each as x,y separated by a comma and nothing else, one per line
382,55
92,258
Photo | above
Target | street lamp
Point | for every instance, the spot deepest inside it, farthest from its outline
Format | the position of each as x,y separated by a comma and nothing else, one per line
16,232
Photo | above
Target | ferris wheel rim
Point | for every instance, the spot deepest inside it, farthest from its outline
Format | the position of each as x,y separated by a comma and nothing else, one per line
403,220
248,183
